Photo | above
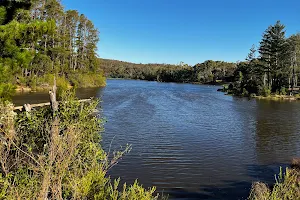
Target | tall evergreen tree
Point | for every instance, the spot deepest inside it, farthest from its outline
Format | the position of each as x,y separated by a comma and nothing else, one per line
274,53
294,42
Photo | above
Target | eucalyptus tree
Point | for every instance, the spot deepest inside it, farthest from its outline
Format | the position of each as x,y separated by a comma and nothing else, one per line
37,37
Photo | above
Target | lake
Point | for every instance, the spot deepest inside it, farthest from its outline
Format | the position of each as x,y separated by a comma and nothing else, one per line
191,141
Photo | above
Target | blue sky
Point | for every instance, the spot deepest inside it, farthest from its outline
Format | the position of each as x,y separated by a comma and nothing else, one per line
192,31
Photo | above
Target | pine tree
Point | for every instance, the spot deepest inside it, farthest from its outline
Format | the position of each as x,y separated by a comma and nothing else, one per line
294,51
274,53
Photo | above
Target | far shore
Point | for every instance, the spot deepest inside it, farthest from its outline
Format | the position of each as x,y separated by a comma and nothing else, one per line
278,97
25,89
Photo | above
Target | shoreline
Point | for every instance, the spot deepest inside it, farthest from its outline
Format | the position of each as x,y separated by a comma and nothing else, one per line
195,83
277,97
21,89
273,97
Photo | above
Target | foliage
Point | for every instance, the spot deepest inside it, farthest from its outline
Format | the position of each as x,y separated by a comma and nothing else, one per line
2,14
6,91
287,187
211,71
58,155
265,91
207,72
87,79
276,67
283,91
45,40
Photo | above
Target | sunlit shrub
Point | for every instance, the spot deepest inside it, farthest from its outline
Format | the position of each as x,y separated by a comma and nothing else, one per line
245,93
287,187
265,91
58,155
87,79
47,79
62,85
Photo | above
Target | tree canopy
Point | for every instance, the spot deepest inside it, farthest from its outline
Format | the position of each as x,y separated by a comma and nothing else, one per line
207,72
39,37
275,69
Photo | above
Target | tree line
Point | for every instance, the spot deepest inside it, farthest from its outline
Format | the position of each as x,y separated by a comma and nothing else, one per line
39,39
272,67
206,72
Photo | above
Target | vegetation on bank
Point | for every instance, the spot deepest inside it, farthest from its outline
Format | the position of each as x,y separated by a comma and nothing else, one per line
207,72
39,39
287,186
55,153
274,70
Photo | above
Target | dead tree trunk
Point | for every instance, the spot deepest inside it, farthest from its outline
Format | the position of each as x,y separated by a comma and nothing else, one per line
54,140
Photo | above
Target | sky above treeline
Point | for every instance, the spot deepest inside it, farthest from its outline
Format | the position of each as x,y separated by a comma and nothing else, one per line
192,31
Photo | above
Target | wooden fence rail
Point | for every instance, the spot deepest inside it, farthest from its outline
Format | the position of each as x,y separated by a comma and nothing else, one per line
28,107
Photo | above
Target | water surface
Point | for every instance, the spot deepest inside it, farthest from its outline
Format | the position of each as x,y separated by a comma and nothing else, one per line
191,141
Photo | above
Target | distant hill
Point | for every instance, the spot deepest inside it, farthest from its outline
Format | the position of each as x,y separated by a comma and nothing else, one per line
207,72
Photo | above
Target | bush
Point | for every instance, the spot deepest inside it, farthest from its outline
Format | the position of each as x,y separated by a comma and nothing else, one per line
265,91
62,85
87,79
286,187
283,91
32,83
46,80
57,155
7,90
297,96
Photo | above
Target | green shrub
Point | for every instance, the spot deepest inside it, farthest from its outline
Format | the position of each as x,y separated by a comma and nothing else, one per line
87,79
225,88
46,155
32,83
283,91
47,79
287,187
2,14
22,80
62,85
7,90
297,96
265,91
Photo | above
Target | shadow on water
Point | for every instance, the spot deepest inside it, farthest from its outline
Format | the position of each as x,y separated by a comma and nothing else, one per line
231,189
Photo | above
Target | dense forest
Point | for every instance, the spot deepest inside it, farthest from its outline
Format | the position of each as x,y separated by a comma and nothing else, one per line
207,72
40,40
272,67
